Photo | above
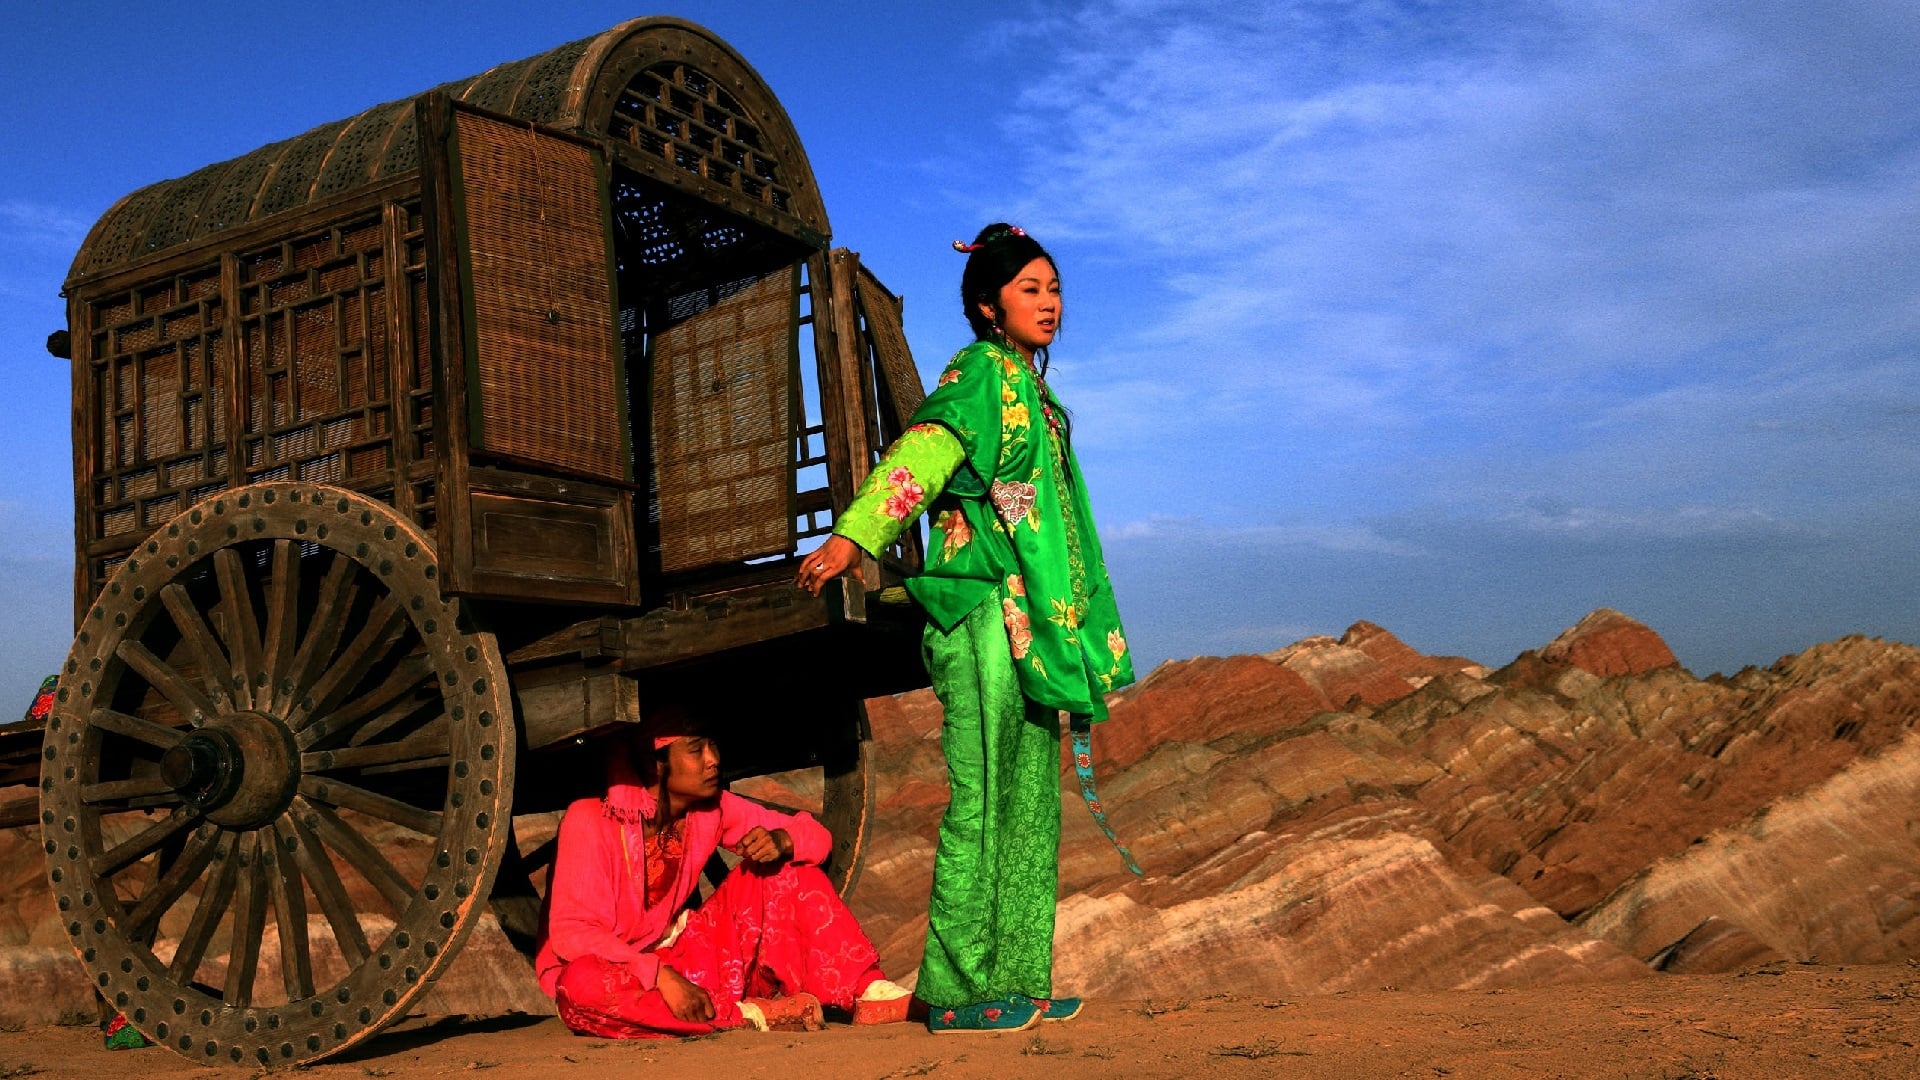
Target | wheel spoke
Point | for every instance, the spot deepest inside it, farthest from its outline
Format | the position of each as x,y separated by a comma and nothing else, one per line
364,715
168,888
158,736
116,791
215,667
327,888
380,725
242,630
283,608
374,640
290,915
362,856
372,803
139,844
249,921
337,592
206,914
173,686
426,747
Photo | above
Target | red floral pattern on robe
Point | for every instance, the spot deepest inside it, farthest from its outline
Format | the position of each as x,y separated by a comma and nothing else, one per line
763,933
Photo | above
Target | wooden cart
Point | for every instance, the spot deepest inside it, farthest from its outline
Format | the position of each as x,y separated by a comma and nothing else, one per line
412,453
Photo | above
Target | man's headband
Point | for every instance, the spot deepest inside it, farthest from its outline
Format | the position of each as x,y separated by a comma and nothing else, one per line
666,726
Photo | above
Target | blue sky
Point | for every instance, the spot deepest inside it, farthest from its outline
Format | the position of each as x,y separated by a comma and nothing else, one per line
1461,317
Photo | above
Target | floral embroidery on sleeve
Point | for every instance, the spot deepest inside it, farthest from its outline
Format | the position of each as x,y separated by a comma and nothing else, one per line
905,496
914,471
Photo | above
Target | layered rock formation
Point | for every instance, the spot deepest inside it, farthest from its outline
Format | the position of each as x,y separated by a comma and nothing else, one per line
1352,813
1753,887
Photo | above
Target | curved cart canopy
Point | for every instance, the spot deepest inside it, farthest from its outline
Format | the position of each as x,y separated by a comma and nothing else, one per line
676,102
553,313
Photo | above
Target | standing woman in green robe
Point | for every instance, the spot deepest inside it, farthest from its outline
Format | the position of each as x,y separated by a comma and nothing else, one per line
1021,627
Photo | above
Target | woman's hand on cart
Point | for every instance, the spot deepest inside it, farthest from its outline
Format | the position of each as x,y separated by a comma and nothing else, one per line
829,561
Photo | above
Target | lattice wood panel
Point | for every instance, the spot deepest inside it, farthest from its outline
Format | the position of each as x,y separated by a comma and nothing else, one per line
159,364
315,356
545,380
682,115
723,432
293,339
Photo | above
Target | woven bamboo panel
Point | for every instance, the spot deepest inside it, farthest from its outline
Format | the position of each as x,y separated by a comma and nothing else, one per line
891,355
723,436
543,364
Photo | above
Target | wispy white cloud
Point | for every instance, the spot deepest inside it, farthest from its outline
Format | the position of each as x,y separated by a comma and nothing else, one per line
1199,533
37,240
1557,519
1506,309
26,224
1364,214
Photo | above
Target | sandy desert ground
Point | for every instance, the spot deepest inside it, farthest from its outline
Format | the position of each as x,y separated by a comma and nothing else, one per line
1767,1023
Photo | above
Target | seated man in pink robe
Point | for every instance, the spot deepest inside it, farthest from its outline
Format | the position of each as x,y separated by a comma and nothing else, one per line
624,957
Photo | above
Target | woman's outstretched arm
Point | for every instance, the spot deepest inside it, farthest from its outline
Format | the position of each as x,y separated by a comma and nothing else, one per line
912,473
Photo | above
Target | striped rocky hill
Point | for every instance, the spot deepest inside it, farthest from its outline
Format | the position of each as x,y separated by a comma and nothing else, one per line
1350,814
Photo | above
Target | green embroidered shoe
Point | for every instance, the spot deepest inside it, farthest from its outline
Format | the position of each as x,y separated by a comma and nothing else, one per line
1016,1013
1053,1010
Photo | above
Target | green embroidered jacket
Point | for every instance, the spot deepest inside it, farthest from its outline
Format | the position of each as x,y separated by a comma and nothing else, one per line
1010,515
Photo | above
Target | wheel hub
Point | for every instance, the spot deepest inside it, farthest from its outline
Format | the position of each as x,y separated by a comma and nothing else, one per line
241,769
204,767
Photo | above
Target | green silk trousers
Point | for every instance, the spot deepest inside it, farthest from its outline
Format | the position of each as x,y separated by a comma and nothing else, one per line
996,870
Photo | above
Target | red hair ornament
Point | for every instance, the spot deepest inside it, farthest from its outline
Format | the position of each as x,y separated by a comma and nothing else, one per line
965,248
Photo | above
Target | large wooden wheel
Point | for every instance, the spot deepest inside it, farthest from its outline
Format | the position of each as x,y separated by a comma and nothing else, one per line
276,782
